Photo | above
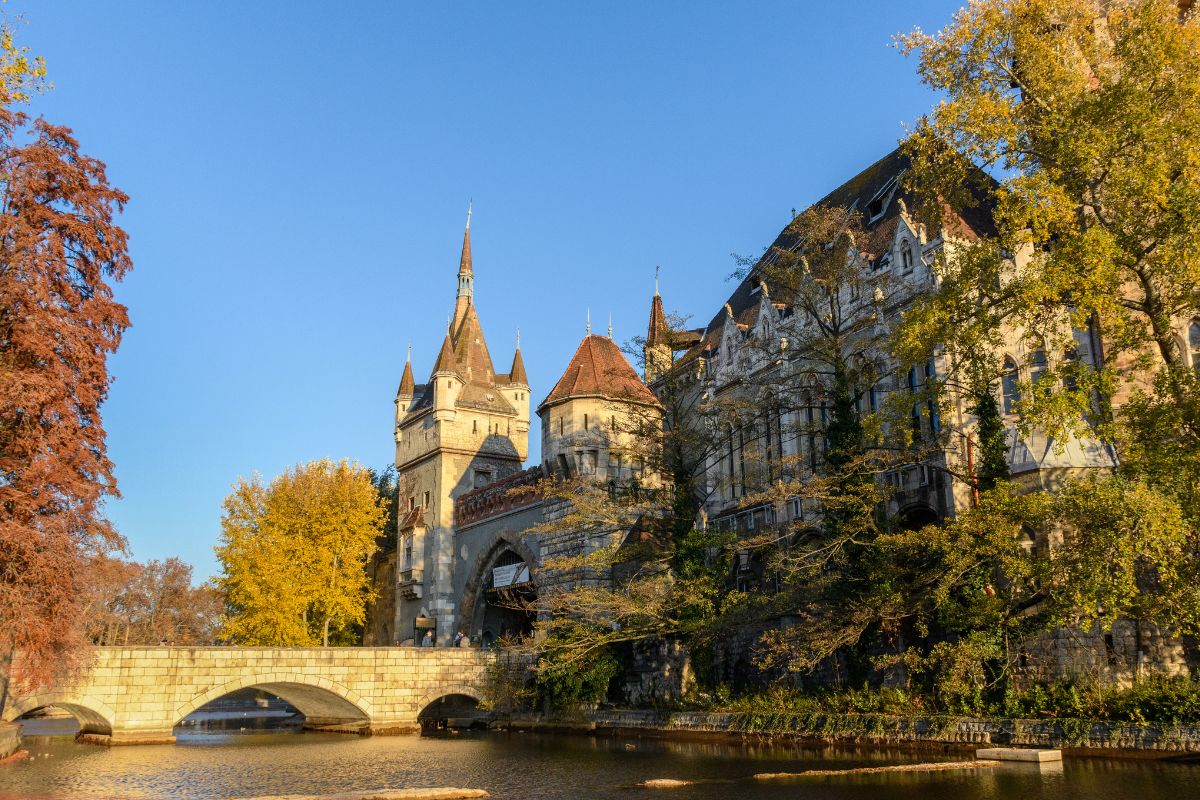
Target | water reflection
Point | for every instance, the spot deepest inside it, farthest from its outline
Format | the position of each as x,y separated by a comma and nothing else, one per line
540,767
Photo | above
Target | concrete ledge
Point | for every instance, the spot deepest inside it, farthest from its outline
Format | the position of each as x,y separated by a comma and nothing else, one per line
1018,754
126,738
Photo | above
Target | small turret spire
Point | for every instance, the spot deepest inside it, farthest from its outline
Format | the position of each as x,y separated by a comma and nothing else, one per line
656,269
610,325
589,321
407,384
445,360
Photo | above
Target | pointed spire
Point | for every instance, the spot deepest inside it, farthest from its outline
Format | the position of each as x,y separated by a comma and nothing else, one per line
656,269
610,324
407,384
657,333
464,263
589,321
517,373
445,360
466,276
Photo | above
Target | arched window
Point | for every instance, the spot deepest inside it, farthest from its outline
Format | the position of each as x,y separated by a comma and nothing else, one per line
906,256
1038,367
1194,343
1008,385
1070,369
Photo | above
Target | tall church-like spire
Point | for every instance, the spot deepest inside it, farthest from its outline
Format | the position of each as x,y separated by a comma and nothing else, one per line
466,275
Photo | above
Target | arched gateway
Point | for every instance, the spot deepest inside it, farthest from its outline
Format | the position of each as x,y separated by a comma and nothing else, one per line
137,695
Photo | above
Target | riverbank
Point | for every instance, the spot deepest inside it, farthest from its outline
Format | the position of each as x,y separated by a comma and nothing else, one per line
943,734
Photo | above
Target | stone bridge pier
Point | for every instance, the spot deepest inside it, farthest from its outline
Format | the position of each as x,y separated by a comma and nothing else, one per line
137,695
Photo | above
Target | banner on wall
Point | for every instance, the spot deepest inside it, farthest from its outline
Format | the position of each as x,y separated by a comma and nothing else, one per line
509,575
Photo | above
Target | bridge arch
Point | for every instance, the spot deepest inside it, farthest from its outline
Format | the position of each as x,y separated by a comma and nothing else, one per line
322,701
94,715
447,691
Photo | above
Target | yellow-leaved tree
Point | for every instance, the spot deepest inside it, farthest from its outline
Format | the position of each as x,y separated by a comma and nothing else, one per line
293,553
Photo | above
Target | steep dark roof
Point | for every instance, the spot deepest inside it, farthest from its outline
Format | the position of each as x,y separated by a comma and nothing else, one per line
599,369
873,183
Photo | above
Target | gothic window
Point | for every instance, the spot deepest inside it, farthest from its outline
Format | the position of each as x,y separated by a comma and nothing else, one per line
1194,344
585,422
426,500
935,422
408,551
914,386
482,478
1008,385
1070,365
1038,367
906,256
412,503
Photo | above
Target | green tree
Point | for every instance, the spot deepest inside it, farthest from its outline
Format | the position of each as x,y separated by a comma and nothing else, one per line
293,554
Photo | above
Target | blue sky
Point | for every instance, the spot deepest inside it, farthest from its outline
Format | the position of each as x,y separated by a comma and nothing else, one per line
299,175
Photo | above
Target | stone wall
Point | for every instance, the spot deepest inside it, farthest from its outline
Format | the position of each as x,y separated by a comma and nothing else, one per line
10,739
1078,737
138,694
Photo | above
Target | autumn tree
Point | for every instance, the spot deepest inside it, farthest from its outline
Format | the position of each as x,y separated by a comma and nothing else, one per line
1085,111
293,554
155,603
60,250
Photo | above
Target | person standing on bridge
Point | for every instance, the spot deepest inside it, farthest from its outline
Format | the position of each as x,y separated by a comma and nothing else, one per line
427,639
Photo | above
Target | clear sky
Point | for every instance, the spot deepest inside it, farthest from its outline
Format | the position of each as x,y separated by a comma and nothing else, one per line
299,176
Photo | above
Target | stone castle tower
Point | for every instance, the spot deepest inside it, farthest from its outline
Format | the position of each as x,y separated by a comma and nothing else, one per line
466,427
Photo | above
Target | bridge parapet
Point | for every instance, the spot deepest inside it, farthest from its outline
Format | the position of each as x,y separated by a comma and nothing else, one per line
136,695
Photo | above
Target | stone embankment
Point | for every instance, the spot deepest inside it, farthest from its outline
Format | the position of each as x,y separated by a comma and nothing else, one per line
10,739
1074,737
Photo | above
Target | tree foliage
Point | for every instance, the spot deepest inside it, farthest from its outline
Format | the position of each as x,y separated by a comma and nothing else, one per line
155,603
1086,112
60,250
293,554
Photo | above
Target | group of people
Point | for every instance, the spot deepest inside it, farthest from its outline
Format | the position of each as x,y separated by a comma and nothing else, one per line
460,639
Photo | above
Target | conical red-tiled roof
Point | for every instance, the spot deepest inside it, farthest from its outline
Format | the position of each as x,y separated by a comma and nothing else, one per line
599,369
407,384
517,373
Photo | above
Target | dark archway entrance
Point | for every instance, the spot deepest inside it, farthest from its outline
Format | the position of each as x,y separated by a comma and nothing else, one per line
507,601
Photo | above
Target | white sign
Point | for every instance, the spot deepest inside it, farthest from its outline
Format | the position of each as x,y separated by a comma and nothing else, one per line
508,575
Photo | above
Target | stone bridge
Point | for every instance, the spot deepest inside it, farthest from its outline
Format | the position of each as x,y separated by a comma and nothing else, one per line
137,695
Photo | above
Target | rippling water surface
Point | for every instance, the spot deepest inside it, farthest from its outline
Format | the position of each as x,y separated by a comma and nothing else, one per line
539,767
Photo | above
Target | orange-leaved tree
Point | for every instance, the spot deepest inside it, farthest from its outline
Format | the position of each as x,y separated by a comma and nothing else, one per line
59,250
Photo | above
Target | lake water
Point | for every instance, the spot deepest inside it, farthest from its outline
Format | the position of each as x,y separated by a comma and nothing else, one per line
539,767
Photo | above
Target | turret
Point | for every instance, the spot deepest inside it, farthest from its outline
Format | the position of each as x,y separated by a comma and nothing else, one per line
404,395
657,351
445,382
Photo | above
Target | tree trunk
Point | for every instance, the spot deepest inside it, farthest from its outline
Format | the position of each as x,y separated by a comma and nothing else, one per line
325,632
6,659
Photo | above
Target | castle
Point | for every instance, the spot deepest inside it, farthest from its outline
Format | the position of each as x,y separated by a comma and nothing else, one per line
462,437
461,440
